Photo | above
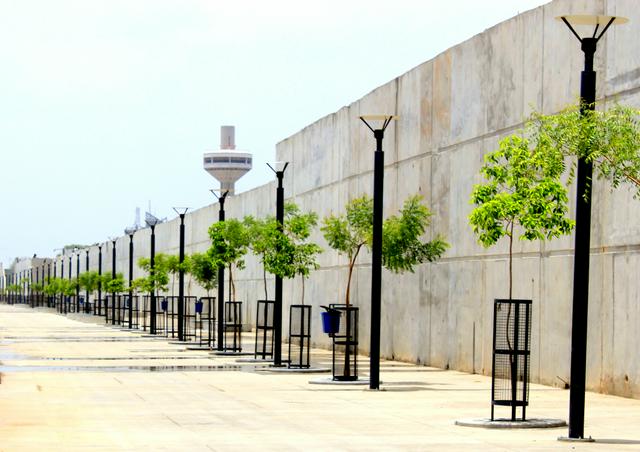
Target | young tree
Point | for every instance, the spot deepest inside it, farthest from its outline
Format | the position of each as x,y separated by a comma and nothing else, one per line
610,139
173,267
205,271
402,247
229,244
50,289
523,190
157,279
172,264
89,281
288,252
348,233
261,233
140,285
113,285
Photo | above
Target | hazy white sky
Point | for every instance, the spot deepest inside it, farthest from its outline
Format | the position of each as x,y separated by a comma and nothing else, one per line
106,105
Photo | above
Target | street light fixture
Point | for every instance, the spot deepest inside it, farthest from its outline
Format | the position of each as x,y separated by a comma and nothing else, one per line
99,281
583,224
221,198
67,303
86,296
113,276
277,306
130,232
376,246
77,279
152,221
181,211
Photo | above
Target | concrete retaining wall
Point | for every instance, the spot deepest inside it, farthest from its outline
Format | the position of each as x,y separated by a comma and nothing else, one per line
453,109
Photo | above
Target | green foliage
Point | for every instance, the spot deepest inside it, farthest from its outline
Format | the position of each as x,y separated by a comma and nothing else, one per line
288,252
171,263
113,285
523,190
610,139
204,270
50,288
14,288
140,285
229,244
89,281
348,233
67,287
60,286
157,278
402,248
37,287
261,233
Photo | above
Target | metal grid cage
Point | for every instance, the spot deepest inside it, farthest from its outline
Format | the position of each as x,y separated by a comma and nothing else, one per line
511,356
299,336
345,344
264,329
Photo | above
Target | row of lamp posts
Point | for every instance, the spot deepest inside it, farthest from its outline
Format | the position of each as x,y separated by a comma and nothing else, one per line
581,254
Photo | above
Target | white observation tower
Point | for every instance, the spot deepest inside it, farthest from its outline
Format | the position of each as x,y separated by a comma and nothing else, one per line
227,165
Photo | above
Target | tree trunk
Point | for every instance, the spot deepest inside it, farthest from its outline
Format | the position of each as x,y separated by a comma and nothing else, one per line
264,278
232,286
352,263
511,262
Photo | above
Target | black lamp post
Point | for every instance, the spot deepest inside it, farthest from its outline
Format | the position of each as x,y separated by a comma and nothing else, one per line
583,226
49,282
99,301
113,277
181,211
67,303
277,306
376,247
31,287
77,281
61,277
152,296
44,264
86,295
130,232
220,331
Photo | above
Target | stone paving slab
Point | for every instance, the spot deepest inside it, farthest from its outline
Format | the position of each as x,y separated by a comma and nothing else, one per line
83,403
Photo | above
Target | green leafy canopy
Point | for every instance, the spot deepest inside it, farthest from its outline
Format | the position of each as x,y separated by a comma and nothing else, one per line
402,244
204,270
610,139
523,189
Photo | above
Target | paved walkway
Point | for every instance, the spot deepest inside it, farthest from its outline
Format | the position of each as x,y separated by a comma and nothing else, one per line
70,385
